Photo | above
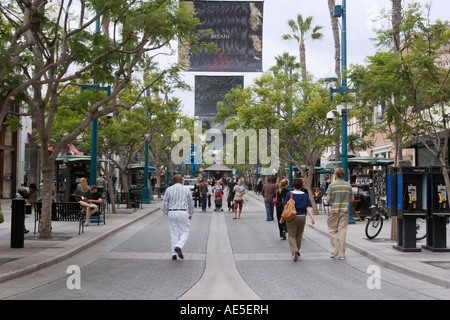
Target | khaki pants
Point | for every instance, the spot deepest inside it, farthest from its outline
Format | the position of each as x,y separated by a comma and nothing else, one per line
295,230
337,228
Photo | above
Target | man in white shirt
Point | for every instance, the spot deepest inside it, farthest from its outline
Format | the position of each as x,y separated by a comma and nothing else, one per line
179,207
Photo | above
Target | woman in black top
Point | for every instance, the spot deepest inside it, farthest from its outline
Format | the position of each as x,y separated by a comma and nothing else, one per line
296,226
281,195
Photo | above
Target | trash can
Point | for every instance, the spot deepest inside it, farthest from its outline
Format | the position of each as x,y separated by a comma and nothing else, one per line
17,223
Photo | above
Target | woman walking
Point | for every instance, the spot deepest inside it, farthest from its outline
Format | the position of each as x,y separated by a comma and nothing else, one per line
239,191
296,226
281,196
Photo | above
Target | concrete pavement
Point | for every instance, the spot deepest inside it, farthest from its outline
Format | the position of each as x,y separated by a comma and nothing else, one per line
65,243
38,254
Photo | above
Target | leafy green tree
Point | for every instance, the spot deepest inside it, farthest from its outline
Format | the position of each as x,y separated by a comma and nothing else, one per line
52,48
409,76
296,108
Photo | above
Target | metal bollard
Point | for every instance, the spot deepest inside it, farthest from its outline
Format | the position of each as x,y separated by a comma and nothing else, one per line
17,223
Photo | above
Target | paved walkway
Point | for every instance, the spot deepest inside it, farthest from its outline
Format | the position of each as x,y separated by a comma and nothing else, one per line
37,254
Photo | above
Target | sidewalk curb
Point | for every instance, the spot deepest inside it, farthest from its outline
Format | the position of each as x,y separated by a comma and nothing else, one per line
70,251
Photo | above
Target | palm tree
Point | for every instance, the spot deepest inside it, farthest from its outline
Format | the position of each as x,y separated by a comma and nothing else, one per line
302,30
284,64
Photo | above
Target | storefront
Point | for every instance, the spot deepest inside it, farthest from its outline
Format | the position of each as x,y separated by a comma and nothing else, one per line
368,177
69,170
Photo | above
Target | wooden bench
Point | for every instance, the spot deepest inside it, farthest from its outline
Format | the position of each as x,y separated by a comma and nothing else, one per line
61,211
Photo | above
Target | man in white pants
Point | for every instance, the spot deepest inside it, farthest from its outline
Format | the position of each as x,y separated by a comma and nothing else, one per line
179,207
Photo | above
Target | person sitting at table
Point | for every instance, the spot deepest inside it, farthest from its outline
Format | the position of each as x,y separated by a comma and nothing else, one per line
90,203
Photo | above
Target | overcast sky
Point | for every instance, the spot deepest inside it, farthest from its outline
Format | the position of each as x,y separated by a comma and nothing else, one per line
319,53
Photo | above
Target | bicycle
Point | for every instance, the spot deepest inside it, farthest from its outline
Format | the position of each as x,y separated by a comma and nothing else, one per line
375,223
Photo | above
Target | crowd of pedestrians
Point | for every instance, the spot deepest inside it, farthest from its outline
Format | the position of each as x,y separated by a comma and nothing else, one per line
179,207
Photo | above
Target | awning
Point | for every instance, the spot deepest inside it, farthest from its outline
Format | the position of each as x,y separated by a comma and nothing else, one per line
136,166
217,167
374,161
324,171
76,158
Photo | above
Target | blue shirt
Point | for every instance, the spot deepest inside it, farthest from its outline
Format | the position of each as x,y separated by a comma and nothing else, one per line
301,201
178,197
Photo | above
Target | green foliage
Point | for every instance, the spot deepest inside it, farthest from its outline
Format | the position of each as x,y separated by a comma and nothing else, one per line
279,101
412,83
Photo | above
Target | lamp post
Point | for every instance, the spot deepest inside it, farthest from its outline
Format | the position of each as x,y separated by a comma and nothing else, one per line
145,188
291,170
340,11
94,124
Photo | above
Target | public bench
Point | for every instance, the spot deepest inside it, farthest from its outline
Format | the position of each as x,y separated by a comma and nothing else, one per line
70,212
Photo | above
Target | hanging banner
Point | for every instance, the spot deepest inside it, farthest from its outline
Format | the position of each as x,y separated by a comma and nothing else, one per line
236,28
209,90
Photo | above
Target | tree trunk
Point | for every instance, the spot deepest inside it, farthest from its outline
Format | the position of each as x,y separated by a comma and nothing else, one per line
46,195
34,157
110,189
309,179
396,22
303,59
336,37
124,176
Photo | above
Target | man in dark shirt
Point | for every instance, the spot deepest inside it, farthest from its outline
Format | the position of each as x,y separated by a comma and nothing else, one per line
230,198
91,203
269,192
203,190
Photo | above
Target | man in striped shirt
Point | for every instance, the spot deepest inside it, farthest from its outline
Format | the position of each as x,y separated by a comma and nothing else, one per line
179,207
339,194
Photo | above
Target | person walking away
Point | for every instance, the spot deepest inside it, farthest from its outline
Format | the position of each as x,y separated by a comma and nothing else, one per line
281,196
209,193
239,191
196,194
269,192
339,194
179,207
259,186
296,227
203,189
230,191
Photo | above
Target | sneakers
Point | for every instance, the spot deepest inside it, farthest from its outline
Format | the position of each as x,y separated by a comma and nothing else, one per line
332,256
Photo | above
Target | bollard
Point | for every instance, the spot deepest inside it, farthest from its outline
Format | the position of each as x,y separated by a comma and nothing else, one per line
17,223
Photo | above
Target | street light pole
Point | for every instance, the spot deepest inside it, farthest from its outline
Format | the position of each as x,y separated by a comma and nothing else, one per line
291,170
344,156
145,188
94,126
341,11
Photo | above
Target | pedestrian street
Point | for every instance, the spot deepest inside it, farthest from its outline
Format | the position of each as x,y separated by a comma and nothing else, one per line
224,259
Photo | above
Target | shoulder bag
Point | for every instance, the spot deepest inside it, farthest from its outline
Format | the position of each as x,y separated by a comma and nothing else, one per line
289,211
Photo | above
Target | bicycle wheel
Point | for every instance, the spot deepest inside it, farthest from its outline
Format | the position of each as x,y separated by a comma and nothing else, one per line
421,229
374,226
